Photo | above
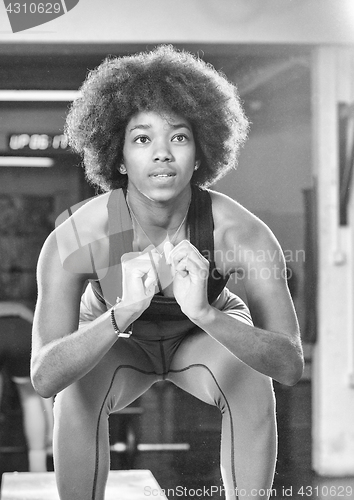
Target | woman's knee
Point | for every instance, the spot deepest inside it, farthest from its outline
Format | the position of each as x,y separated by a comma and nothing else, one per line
249,394
73,408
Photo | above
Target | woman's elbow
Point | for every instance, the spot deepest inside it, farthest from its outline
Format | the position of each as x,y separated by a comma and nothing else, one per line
41,383
294,368
41,387
293,376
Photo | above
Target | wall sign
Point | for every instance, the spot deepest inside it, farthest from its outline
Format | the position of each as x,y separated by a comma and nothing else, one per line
55,143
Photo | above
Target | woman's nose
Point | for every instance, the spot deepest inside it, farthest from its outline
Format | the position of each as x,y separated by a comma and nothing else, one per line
162,152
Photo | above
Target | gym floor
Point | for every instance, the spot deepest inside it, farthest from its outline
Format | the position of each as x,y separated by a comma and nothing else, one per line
168,415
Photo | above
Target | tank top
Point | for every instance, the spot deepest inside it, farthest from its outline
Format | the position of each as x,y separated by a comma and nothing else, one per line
201,229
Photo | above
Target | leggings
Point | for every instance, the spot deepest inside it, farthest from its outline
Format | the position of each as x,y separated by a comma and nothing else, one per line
196,363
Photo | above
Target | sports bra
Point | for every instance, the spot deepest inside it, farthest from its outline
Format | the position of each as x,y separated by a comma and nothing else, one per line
201,229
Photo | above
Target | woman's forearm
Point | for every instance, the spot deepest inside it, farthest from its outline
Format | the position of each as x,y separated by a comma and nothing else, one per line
277,355
62,361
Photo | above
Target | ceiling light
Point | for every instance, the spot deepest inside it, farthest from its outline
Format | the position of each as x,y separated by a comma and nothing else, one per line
25,161
38,95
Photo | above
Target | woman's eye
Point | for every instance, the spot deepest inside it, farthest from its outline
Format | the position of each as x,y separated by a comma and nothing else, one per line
142,139
180,138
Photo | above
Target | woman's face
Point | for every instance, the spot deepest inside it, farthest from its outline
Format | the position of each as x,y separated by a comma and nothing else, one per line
159,155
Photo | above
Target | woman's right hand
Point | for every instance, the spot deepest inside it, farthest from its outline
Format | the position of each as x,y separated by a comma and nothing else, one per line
139,271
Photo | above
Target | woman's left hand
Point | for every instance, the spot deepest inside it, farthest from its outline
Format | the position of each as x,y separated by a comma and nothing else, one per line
190,271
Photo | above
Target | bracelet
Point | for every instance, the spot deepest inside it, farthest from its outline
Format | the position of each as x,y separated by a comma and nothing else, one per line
125,335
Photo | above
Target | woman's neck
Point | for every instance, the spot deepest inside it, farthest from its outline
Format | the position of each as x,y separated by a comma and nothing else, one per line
159,215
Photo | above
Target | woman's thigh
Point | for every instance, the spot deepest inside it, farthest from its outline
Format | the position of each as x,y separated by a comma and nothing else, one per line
81,438
200,358
121,376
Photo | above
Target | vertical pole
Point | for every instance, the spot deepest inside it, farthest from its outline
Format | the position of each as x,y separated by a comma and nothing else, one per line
333,398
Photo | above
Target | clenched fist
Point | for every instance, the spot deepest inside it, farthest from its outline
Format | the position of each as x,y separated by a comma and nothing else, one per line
139,278
190,271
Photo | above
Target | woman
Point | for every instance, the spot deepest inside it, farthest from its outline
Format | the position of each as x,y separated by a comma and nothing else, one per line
155,129
15,352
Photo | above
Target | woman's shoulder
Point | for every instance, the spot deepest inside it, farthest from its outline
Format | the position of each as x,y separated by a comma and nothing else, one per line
86,215
227,211
233,222
80,232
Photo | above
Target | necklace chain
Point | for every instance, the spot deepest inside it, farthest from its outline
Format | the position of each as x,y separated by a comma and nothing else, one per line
174,236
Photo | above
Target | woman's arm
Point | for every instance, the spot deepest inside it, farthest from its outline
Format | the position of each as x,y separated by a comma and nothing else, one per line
272,346
61,353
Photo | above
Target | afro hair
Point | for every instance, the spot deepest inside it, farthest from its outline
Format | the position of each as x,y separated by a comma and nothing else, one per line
162,80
